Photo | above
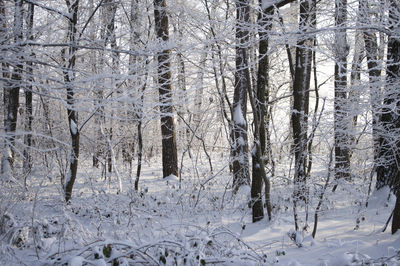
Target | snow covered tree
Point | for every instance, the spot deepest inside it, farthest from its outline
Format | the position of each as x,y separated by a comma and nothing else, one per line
387,170
341,116
258,174
169,149
69,78
27,164
12,84
374,70
240,164
301,87
259,102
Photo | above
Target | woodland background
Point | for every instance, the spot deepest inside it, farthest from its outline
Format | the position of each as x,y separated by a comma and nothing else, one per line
263,108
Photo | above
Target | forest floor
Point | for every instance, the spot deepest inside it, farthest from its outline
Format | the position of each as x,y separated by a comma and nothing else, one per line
199,223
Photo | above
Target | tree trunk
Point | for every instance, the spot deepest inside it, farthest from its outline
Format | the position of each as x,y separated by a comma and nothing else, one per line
341,123
69,78
387,170
27,164
11,91
301,86
258,165
389,124
374,73
355,78
169,150
240,164
396,214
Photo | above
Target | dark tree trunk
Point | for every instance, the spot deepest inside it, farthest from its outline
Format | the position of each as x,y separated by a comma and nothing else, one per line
389,124
387,170
396,214
240,163
258,166
169,150
341,121
139,116
11,90
69,78
374,73
28,98
140,152
301,86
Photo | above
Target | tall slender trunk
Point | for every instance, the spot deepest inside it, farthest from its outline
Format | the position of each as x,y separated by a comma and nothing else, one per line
169,150
27,164
258,165
374,73
69,78
11,91
341,112
387,168
355,78
301,86
240,164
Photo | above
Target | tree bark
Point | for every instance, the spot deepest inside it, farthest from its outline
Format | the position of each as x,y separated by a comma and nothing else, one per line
301,86
69,78
11,90
396,214
240,163
169,150
389,124
341,123
374,75
27,164
258,164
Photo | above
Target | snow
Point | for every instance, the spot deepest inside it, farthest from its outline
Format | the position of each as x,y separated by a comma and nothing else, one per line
238,116
68,179
76,261
240,141
200,221
268,3
73,127
170,178
379,198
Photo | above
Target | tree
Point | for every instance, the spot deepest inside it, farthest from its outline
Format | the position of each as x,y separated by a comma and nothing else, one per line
69,78
374,71
28,97
301,86
12,87
169,150
341,123
258,106
240,164
387,169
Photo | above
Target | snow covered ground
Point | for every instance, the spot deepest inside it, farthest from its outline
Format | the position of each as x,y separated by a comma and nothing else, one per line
201,223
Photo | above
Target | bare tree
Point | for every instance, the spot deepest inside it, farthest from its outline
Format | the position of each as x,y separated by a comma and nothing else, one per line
259,106
301,86
374,70
27,164
240,164
69,78
341,123
169,150
259,101
389,124
12,88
